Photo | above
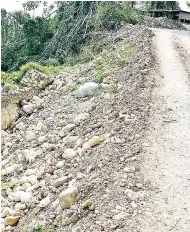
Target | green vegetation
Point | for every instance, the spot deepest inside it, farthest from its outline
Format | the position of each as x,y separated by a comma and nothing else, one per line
167,5
40,228
16,77
67,33
59,38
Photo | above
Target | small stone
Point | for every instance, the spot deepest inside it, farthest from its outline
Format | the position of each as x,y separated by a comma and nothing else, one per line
42,139
129,169
30,172
61,181
60,164
22,196
32,179
30,155
86,204
69,153
76,229
10,198
133,204
63,132
68,197
44,202
81,117
79,176
95,141
20,206
30,135
2,227
28,108
39,126
74,218
8,170
14,213
11,220
36,98
5,212
9,228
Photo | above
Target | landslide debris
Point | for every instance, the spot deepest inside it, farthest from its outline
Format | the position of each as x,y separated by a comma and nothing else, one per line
73,164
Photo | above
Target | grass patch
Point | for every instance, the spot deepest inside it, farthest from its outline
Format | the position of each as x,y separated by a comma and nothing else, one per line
16,77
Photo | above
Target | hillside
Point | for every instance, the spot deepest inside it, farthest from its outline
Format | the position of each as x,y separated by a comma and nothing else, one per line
62,140
95,120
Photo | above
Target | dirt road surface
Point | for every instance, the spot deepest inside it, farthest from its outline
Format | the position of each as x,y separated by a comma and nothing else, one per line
167,162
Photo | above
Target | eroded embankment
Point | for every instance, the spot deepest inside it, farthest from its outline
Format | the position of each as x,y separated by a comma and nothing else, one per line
52,142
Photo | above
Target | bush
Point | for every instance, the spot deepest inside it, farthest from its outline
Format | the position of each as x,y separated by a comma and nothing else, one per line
108,17
50,62
111,16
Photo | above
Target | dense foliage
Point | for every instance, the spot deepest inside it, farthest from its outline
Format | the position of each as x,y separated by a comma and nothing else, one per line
166,5
60,33
64,30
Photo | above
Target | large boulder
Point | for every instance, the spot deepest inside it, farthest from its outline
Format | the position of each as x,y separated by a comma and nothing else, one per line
88,89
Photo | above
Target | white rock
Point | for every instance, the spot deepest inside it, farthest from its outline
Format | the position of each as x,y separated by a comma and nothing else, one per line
30,135
76,229
20,206
5,212
44,202
10,198
29,172
26,197
68,197
45,146
39,125
9,228
63,132
129,169
88,89
36,98
32,179
81,117
23,180
42,139
61,181
60,164
22,196
79,176
28,108
69,153
2,227
30,155
8,170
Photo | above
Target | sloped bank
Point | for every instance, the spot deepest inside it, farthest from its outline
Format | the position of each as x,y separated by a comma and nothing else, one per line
74,163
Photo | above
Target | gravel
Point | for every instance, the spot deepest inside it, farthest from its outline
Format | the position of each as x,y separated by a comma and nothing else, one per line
161,22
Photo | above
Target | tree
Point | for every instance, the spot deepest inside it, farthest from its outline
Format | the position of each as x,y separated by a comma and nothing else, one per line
163,5
31,6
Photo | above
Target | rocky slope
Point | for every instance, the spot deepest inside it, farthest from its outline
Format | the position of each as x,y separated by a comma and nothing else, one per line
161,22
71,162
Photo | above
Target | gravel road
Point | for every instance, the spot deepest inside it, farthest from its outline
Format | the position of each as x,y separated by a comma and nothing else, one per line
167,163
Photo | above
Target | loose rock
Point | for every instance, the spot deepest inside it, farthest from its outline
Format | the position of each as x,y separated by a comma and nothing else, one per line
11,220
60,181
68,197
69,153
